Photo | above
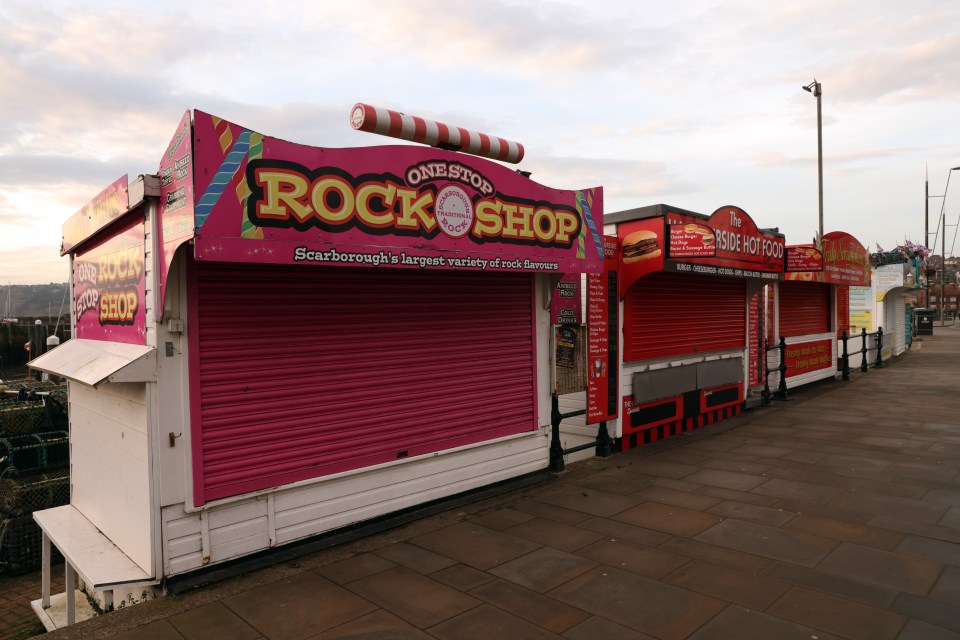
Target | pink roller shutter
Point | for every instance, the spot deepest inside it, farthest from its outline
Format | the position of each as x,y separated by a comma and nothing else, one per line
308,372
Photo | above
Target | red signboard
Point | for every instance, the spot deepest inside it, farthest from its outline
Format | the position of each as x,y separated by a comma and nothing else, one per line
845,261
742,250
261,199
603,330
566,306
106,207
804,357
108,288
692,240
641,250
728,243
804,258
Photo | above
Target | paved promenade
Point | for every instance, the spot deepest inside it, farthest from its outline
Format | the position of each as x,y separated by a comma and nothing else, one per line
833,515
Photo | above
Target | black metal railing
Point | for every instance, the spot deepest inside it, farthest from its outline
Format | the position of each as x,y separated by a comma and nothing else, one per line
603,443
781,392
844,364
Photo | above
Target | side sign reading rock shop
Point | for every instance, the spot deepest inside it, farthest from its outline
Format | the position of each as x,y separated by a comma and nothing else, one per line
109,287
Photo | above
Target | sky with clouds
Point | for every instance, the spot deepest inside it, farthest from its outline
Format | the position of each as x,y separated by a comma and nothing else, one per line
696,104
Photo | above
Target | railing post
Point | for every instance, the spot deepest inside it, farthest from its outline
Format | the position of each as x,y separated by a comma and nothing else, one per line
863,351
782,388
556,449
846,358
765,394
604,441
879,347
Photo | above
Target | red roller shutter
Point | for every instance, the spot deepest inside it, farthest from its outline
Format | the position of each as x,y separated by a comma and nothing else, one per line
672,314
804,308
307,372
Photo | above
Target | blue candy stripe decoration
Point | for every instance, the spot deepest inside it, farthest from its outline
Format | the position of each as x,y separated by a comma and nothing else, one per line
231,164
588,216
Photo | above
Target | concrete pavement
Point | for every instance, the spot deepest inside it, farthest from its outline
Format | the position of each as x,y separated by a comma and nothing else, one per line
833,515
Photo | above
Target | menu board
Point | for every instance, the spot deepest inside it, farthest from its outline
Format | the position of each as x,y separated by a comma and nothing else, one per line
603,323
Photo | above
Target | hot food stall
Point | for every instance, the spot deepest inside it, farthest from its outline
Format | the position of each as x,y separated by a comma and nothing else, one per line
276,340
689,287
812,305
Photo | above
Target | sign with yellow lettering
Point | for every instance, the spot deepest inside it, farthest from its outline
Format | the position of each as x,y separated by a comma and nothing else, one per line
261,199
108,288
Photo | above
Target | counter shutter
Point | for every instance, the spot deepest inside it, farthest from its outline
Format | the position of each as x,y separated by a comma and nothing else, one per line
804,308
670,314
302,372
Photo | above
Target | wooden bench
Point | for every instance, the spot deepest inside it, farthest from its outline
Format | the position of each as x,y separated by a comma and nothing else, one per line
99,562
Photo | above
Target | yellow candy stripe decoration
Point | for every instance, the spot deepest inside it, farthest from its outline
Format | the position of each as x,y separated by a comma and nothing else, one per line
247,228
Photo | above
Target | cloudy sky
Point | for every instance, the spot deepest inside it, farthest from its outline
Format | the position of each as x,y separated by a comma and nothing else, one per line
695,103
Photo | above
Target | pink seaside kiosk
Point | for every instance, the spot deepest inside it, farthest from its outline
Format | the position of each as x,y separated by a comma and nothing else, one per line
275,341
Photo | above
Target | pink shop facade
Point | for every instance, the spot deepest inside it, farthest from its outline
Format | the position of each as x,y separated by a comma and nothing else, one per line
275,341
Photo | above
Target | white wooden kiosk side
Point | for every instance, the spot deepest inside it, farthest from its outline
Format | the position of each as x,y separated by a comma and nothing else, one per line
106,533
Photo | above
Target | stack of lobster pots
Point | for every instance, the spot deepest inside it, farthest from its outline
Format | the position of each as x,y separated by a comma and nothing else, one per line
34,467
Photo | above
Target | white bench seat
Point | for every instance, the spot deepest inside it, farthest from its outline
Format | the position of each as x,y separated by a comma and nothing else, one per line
99,562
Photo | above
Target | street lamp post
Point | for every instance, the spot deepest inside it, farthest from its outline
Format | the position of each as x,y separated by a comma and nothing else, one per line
943,239
815,89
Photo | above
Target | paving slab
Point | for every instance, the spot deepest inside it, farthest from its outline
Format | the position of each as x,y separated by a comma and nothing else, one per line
898,571
360,566
416,598
726,479
746,589
668,519
596,628
379,625
871,594
839,616
947,588
794,490
919,630
556,534
414,557
625,531
770,542
636,558
685,499
753,513
486,622
589,501
936,550
213,622
298,607
474,545
738,623
502,518
928,610
552,615
667,612
845,531
543,569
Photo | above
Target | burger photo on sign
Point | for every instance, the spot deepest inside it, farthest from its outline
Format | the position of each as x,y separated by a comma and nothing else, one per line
640,246
705,234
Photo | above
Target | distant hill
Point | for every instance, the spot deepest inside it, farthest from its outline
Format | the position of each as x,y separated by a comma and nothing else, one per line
28,302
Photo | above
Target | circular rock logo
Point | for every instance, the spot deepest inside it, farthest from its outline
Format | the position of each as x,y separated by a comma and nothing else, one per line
454,211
